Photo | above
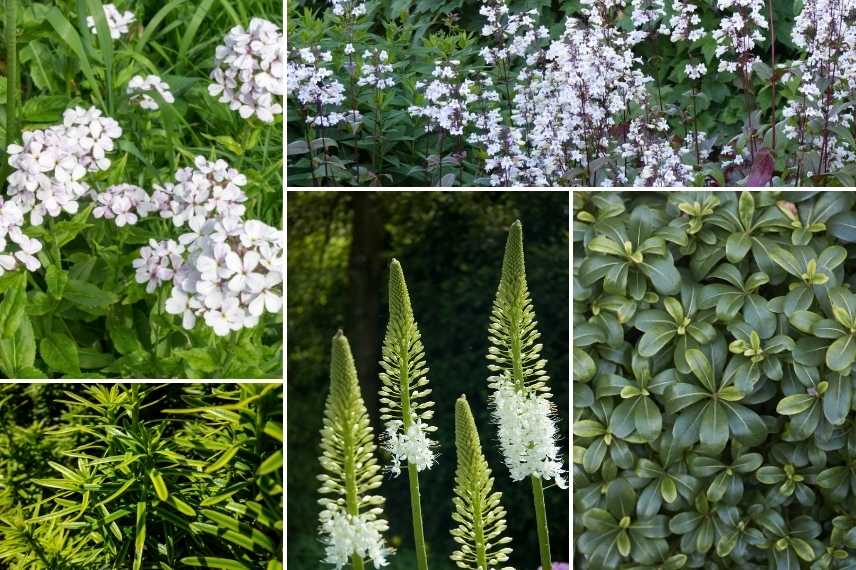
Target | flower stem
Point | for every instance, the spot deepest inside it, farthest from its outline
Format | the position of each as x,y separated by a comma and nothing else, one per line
12,77
416,509
541,520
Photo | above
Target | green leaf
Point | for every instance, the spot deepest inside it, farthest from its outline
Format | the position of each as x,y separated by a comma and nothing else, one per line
794,404
212,562
685,522
786,260
56,279
680,396
655,339
199,359
588,428
837,398
59,351
714,426
606,245
18,353
649,421
660,270
87,295
14,305
159,484
841,353
770,475
701,368
140,540
620,498
668,489
746,209
272,463
737,246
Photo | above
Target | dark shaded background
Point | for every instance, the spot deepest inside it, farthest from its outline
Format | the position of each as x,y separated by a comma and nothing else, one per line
450,245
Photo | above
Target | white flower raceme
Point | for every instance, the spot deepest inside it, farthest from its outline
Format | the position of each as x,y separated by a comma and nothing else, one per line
139,88
513,34
248,70
124,203
118,22
16,248
446,99
50,165
527,434
738,34
413,446
315,87
349,9
376,71
208,190
685,24
661,164
344,535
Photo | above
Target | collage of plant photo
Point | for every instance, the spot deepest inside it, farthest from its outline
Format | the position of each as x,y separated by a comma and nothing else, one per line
574,93
142,261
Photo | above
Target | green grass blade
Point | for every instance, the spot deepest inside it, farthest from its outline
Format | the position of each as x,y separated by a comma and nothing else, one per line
140,541
153,24
71,38
270,464
159,484
105,46
192,28
219,563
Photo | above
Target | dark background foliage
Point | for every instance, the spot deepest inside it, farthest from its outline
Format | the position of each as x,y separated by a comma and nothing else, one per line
450,246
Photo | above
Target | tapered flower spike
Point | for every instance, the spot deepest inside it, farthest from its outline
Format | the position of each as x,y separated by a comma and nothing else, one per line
351,519
405,408
478,512
521,394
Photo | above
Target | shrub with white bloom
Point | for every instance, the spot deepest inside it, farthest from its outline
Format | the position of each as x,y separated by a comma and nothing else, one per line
248,70
208,190
139,88
344,535
413,446
376,71
124,203
50,164
118,22
315,87
738,34
527,434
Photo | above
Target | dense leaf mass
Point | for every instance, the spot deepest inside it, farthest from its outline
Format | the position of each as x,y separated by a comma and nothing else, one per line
714,348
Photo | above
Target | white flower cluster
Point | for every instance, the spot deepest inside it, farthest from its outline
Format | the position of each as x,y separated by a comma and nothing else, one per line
158,263
738,34
413,446
826,31
647,12
124,203
685,24
527,434
16,248
207,190
661,164
376,71
116,21
248,70
513,34
695,71
446,99
139,88
349,9
50,166
344,535
315,87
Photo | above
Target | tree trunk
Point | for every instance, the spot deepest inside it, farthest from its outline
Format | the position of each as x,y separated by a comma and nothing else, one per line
365,287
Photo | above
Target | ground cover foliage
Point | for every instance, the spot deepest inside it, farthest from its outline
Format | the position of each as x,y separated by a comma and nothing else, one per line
713,380
141,476
581,92
125,145
444,285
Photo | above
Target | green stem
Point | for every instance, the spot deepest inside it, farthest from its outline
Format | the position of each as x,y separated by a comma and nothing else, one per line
541,520
351,501
416,509
13,79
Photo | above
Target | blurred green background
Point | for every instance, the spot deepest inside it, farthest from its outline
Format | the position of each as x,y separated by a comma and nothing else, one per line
450,245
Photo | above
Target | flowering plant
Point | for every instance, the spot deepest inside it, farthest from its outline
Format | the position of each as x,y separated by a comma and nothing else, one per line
108,268
596,93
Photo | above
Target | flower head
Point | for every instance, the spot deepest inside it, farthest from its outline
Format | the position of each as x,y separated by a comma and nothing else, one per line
117,22
139,88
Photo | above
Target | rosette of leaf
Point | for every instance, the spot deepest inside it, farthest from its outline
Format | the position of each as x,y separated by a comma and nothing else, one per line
478,511
588,491
637,410
722,478
351,517
521,406
739,295
808,216
840,329
600,438
814,406
755,355
615,534
816,273
593,207
789,541
788,475
842,537
692,210
839,482
736,532
677,329
626,258
403,395
746,220
708,410
698,526
664,478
